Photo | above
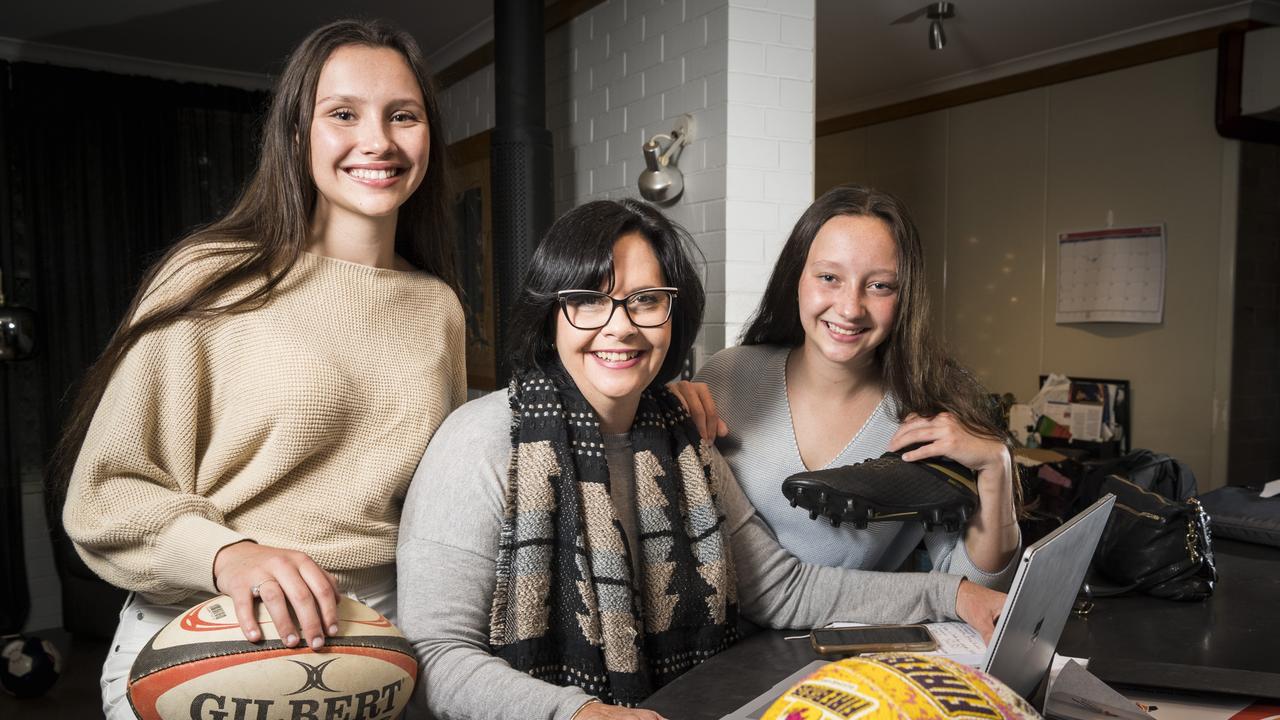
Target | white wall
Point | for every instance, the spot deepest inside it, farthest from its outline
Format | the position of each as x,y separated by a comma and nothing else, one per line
993,183
624,70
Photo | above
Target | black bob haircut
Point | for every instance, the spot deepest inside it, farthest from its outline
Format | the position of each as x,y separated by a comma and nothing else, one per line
577,254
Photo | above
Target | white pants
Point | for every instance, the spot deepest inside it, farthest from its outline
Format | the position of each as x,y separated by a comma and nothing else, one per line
139,620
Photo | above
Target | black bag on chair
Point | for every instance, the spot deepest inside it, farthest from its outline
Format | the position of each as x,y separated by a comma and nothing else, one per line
1153,544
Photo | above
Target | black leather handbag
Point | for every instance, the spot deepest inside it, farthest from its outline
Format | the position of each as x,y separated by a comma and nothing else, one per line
1153,544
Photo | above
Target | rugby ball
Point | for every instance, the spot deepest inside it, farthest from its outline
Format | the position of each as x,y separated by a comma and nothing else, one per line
897,686
200,666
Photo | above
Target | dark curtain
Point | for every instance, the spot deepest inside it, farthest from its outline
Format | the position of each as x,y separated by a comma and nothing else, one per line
100,173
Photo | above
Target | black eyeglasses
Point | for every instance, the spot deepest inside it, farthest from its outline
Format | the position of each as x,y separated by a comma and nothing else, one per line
591,310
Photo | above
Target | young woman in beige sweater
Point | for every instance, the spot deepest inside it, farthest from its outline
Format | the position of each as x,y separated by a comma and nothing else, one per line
252,426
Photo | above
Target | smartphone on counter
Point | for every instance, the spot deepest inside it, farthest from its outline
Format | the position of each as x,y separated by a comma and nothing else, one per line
838,642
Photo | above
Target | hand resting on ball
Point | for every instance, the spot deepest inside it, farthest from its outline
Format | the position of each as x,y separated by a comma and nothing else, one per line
285,579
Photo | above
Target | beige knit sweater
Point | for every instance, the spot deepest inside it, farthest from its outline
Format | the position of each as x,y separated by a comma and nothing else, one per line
297,424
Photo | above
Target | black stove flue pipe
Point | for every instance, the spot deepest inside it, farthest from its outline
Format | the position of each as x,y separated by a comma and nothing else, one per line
520,154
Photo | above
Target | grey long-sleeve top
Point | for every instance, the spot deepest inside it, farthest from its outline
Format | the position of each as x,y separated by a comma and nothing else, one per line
448,548
749,385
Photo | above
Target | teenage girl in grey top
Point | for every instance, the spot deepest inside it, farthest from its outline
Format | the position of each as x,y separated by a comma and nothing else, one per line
838,365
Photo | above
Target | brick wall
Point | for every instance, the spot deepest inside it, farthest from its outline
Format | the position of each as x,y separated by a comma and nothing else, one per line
625,70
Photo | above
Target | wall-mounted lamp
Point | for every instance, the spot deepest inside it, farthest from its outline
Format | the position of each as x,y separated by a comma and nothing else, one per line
938,12
661,181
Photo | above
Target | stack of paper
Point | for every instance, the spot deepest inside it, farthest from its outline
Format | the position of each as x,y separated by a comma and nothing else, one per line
1077,695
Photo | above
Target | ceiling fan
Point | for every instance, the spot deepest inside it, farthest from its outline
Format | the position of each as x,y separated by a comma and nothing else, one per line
936,12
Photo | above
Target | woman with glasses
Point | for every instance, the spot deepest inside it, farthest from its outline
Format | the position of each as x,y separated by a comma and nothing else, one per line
569,545
839,364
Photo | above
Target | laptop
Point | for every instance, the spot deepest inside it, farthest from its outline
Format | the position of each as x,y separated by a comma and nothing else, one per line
1040,599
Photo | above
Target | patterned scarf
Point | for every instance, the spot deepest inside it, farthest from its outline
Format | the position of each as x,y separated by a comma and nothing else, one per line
567,609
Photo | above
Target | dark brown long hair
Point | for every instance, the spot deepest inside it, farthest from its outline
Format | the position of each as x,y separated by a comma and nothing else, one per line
913,365
264,233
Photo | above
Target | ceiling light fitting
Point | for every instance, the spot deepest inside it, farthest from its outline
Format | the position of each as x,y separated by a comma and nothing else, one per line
661,181
937,12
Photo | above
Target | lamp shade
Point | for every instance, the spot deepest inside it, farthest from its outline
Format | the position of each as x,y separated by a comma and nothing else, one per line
659,182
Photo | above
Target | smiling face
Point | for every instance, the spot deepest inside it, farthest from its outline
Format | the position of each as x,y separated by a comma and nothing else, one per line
614,364
369,137
849,290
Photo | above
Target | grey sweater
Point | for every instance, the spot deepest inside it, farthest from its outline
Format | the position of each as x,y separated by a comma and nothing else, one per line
749,386
446,563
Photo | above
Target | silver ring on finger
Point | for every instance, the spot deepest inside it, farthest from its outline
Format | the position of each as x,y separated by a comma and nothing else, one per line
256,588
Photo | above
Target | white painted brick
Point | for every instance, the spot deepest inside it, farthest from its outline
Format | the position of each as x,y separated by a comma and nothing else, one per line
713,340
713,211
754,4
608,70
580,135
717,21
788,187
686,36
644,55
706,185
644,112
744,184
627,36
750,215
580,82
744,246
788,62
799,8
745,276
715,277
637,8
579,30
746,57
626,90
740,306
713,311
685,214
753,25
753,152
698,8
796,32
788,215
711,122
707,60
712,244
609,177
789,124
687,98
592,53
693,158
592,104
753,89
664,76
717,89
747,120
609,124
590,155
795,156
795,94
660,20
716,153
608,16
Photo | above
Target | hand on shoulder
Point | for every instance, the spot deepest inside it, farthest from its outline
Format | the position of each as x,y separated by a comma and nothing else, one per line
696,398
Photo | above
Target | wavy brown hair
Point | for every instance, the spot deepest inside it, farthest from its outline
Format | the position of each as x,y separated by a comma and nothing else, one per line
262,236
913,365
